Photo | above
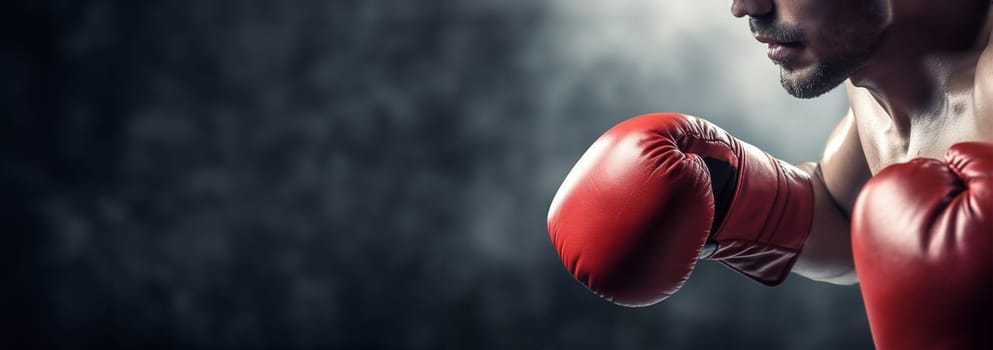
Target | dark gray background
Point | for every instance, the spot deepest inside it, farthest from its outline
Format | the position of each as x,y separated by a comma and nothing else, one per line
363,174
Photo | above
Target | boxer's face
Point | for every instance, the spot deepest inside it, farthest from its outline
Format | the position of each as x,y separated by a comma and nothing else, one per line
817,43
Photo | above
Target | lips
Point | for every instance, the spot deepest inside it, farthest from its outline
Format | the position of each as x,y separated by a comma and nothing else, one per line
782,52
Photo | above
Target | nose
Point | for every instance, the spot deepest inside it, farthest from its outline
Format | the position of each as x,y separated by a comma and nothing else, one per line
753,8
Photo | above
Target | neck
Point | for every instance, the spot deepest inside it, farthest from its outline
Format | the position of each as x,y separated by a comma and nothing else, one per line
917,67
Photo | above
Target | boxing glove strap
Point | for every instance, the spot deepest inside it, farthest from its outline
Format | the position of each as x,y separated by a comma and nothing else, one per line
769,217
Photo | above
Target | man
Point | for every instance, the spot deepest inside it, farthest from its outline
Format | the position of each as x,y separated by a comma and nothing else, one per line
903,195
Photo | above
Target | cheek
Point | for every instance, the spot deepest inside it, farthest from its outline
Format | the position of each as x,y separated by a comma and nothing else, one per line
849,38
837,42
840,26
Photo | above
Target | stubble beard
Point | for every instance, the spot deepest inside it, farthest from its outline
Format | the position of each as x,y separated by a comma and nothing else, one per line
824,76
813,81
828,74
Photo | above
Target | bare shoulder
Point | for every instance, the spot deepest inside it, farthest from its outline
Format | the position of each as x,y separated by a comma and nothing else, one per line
843,163
983,91
985,65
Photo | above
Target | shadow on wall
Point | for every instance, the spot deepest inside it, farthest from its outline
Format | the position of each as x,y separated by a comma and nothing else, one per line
360,174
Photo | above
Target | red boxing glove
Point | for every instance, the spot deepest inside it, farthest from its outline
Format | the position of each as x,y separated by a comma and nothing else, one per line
922,238
635,213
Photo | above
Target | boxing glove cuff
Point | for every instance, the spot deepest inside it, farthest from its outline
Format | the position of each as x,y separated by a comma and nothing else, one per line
769,218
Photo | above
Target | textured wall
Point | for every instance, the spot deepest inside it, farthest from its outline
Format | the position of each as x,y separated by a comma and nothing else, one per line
364,173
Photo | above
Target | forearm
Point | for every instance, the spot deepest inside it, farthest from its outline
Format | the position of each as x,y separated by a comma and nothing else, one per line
827,253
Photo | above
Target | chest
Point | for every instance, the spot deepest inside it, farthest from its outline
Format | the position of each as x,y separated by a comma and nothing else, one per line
966,116
885,143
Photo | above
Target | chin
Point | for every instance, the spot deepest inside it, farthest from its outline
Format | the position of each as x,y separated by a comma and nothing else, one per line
812,81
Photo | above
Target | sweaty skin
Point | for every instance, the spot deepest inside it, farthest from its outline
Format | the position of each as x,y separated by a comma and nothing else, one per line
919,79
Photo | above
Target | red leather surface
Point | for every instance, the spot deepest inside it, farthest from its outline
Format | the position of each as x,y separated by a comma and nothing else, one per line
922,239
631,218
